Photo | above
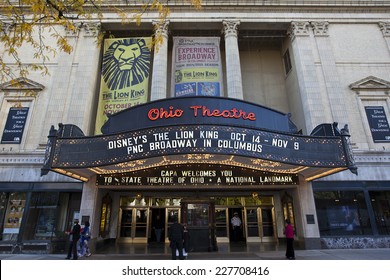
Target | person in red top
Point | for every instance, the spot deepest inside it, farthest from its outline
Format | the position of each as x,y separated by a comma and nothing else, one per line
289,233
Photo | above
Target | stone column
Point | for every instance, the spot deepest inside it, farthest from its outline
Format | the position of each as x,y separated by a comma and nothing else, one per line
304,206
60,84
308,84
89,204
334,90
86,78
160,62
233,66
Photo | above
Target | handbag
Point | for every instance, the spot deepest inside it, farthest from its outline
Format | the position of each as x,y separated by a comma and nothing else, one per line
87,235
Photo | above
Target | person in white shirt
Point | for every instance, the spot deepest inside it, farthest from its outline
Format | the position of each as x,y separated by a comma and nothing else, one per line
236,225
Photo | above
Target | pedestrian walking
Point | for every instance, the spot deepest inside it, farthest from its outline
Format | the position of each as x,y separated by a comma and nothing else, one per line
176,238
84,241
158,228
74,236
289,233
186,240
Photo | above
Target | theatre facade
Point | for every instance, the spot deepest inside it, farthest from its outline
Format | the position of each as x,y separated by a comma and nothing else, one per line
201,159
272,119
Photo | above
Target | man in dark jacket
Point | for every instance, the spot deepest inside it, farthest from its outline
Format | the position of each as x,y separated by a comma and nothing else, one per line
74,237
176,238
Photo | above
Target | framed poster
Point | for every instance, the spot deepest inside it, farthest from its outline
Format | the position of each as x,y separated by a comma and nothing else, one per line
14,213
196,66
14,126
379,126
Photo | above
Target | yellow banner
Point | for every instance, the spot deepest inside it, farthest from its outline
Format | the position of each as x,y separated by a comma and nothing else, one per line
125,76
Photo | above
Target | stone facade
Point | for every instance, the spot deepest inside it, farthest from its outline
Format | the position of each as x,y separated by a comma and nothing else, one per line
340,64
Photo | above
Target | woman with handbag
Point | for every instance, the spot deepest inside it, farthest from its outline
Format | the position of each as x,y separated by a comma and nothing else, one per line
85,237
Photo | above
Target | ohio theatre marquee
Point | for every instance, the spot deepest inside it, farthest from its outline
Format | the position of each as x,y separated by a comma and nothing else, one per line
190,133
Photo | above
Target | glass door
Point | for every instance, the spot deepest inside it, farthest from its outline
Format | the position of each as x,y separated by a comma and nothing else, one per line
199,216
221,224
134,225
267,224
169,218
252,223
288,209
126,223
141,219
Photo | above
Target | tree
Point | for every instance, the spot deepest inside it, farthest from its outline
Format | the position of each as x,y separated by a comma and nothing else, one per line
26,23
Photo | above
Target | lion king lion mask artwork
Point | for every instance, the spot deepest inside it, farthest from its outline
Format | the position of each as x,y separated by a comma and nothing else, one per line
126,63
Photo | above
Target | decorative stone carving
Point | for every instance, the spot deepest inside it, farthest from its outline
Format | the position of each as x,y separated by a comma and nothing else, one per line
6,27
370,83
21,84
160,61
161,28
298,28
230,27
385,27
73,32
91,29
320,28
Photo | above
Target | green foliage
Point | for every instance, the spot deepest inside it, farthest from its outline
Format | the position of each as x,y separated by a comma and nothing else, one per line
25,25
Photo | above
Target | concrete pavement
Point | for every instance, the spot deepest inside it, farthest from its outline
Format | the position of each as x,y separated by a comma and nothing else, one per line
323,254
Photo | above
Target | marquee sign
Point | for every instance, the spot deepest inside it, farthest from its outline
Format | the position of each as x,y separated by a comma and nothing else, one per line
172,131
163,141
198,110
196,175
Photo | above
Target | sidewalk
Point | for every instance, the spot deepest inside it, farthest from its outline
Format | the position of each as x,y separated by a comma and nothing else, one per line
324,254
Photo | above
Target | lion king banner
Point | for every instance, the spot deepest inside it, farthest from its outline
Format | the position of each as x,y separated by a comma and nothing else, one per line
125,76
196,66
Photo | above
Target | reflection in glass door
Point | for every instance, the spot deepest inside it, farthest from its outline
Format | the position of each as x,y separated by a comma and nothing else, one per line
141,216
260,225
221,225
170,214
252,222
267,223
133,224
126,222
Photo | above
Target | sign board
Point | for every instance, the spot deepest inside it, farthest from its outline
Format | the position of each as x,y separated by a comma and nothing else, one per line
196,66
196,175
125,76
378,123
198,110
14,127
198,139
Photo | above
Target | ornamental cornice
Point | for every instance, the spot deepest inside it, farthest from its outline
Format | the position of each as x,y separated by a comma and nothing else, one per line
21,159
370,83
250,3
91,29
21,84
379,157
